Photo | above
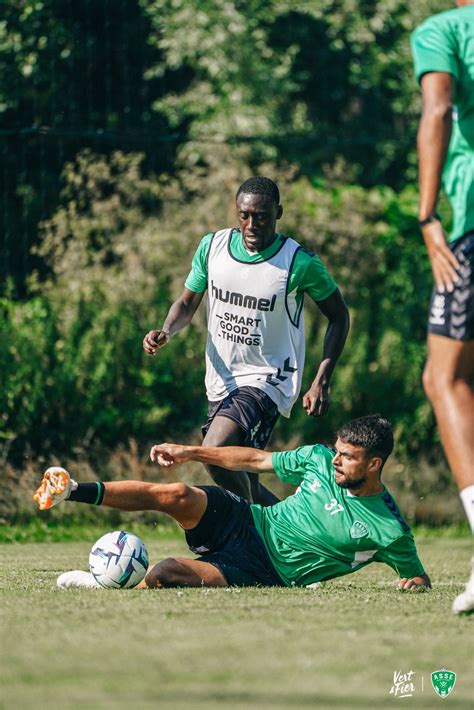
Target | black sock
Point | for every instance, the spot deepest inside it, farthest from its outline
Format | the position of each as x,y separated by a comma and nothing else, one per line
92,493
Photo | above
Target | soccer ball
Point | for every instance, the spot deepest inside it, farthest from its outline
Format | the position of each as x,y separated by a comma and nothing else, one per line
118,560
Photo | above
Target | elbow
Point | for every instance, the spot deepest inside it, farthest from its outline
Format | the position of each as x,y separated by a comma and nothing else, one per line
347,318
339,325
338,315
344,320
439,112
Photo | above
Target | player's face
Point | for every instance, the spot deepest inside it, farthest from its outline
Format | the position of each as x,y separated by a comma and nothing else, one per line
350,465
257,215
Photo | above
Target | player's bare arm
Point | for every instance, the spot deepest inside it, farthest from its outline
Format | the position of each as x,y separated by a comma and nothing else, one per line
179,316
316,401
433,139
412,583
234,458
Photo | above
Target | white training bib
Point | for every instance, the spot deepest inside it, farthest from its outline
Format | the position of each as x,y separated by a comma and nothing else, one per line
255,328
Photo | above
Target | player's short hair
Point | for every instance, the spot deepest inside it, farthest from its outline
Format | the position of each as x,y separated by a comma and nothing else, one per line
373,433
258,185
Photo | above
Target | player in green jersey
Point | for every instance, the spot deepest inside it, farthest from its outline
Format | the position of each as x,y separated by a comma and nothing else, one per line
443,49
256,280
340,519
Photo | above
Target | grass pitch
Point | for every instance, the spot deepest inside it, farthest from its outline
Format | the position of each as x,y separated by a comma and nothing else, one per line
337,646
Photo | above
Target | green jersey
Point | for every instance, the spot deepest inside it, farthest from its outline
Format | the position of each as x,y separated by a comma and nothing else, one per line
308,273
323,531
445,43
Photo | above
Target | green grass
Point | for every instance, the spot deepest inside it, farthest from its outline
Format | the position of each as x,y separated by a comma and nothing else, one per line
337,646
41,530
37,530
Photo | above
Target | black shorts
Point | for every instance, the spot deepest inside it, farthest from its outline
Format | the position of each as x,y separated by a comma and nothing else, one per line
251,409
226,537
452,314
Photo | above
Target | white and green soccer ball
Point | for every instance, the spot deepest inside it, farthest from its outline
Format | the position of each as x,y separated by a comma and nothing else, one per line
118,560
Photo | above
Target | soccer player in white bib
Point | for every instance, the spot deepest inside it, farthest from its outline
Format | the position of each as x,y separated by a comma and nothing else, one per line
340,519
256,279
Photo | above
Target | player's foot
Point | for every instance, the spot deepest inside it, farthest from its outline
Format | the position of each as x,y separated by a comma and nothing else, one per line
55,487
464,602
77,578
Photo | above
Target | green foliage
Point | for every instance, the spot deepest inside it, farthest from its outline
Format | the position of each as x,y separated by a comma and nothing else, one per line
119,249
27,332
370,241
83,373
303,82
71,76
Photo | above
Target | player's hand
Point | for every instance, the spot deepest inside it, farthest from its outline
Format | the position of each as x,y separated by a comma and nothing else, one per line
443,262
168,454
154,340
316,401
414,583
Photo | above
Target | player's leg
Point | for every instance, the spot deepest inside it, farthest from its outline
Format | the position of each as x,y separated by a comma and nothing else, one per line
223,431
171,572
448,382
260,493
259,440
231,552
244,418
186,504
449,371
183,572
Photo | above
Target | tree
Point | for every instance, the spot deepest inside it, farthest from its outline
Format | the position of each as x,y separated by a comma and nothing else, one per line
71,76
308,83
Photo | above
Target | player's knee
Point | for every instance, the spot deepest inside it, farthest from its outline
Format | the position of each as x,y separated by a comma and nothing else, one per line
224,432
167,573
439,382
179,493
429,381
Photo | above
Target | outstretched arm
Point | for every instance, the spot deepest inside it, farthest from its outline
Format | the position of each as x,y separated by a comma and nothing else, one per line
235,458
434,134
316,400
179,315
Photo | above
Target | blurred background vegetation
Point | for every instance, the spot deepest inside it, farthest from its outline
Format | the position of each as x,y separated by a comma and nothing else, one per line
125,129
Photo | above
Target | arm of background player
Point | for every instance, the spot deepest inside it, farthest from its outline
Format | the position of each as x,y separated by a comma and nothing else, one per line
316,400
434,133
235,458
179,315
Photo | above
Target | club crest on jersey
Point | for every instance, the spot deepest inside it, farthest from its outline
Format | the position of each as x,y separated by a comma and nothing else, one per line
359,530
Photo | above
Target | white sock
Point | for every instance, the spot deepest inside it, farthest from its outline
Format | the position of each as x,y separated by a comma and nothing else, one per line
73,488
467,497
